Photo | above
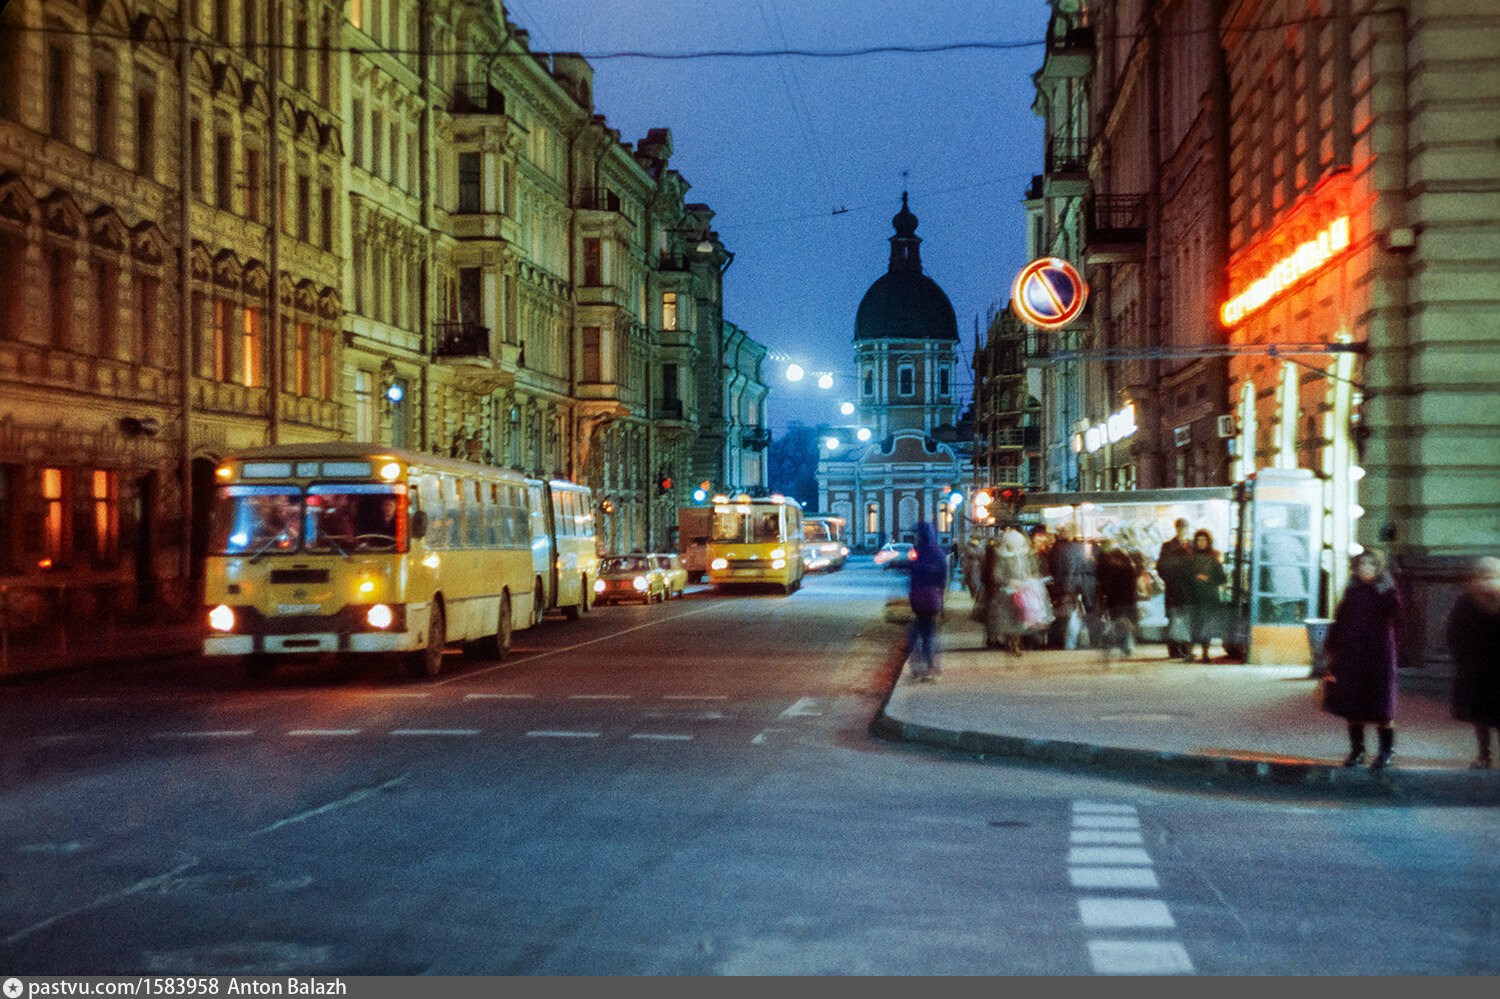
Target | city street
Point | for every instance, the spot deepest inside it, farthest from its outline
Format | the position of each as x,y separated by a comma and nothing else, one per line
679,789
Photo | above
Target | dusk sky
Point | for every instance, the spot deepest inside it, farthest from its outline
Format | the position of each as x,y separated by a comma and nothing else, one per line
774,145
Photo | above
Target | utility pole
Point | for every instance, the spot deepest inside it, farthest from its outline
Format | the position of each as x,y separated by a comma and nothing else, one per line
276,341
185,290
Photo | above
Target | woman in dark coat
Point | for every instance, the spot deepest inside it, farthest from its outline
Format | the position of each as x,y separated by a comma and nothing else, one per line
1361,651
929,578
1205,580
1115,595
1474,640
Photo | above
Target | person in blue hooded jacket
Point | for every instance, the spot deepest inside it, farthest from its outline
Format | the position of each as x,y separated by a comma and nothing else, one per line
929,578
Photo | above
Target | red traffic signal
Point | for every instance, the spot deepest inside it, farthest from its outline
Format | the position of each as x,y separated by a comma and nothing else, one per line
1012,496
664,483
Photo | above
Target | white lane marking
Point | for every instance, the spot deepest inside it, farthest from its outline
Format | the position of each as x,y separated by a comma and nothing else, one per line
102,900
598,697
1139,957
1101,807
696,697
1115,855
694,716
511,697
659,620
434,731
1121,837
397,693
802,709
233,733
1136,913
563,735
760,738
1113,877
324,731
661,737
1106,822
348,799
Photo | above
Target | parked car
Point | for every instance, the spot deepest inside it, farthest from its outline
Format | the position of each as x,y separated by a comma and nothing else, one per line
630,577
674,572
895,555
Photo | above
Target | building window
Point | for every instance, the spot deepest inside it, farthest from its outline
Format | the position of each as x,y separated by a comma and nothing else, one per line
104,114
357,143
944,385
299,54
59,68
872,518
593,262
252,185
249,32
60,297
105,522
195,157
54,522
221,340
107,307
325,363
395,151
145,133
944,517
470,173
303,360
325,217
400,418
377,129
279,196
304,208
669,310
145,292
357,19
252,348
868,382
224,172
906,380
364,405
221,20
593,369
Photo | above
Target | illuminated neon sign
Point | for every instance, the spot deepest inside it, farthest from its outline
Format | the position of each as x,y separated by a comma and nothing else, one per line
1118,427
1300,262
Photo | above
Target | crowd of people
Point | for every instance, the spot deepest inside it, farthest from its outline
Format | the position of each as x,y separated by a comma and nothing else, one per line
1058,590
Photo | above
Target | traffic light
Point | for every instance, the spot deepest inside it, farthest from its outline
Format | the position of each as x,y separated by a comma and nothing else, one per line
981,506
1013,497
664,483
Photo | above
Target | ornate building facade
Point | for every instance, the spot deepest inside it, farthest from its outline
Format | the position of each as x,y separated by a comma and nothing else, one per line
905,358
380,220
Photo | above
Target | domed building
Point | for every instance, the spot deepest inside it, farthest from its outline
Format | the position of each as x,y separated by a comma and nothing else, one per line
905,357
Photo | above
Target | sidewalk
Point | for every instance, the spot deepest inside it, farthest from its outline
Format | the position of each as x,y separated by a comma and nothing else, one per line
53,650
1147,717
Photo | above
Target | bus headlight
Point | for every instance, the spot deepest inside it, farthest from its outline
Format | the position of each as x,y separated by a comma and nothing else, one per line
720,563
368,586
639,582
221,618
779,564
598,586
379,616
779,553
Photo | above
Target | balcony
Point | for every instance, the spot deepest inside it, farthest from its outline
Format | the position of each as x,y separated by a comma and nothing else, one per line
667,409
1067,160
1070,52
461,341
756,438
477,98
598,199
1115,229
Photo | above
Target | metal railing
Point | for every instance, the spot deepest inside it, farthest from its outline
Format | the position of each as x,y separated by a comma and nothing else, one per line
598,199
1067,154
477,98
460,339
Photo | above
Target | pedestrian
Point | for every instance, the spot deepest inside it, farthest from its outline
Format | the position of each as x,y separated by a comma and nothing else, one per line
1205,579
972,561
1173,566
1072,573
929,577
1115,596
1010,569
1474,640
1361,649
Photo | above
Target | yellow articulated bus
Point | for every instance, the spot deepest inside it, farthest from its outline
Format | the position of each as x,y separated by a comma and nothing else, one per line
825,549
359,549
756,541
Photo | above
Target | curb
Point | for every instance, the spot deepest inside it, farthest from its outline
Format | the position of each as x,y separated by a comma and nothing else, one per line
1313,779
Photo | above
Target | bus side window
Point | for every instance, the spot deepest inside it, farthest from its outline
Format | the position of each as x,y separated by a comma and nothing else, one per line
538,513
520,521
455,513
566,524
474,501
437,516
492,513
586,529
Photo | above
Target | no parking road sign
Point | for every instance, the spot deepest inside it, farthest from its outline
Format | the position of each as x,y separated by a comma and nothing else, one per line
1048,293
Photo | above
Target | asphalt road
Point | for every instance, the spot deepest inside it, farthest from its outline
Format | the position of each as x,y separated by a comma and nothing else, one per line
679,789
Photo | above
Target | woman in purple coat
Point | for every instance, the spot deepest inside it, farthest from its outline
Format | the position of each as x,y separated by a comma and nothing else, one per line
1361,650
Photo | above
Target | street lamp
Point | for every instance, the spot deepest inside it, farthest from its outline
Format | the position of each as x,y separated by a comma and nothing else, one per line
832,443
794,372
825,381
863,434
847,409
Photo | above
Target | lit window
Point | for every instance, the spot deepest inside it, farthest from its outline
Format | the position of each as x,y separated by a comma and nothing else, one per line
669,310
106,517
52,519
252,346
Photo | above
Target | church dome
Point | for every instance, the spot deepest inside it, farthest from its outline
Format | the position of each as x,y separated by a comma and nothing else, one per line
904,303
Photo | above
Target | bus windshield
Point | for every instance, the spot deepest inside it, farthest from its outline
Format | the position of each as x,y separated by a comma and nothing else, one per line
253,520
746,525
354,517
815,530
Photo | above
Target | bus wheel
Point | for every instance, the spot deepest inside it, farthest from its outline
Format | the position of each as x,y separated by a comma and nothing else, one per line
538,605
259,666
429,661
497,646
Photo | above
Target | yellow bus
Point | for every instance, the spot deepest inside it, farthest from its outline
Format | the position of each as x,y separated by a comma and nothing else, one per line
360,549
756,541
564,548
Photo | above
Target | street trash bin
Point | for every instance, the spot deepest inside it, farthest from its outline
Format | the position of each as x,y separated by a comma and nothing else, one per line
1317,634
